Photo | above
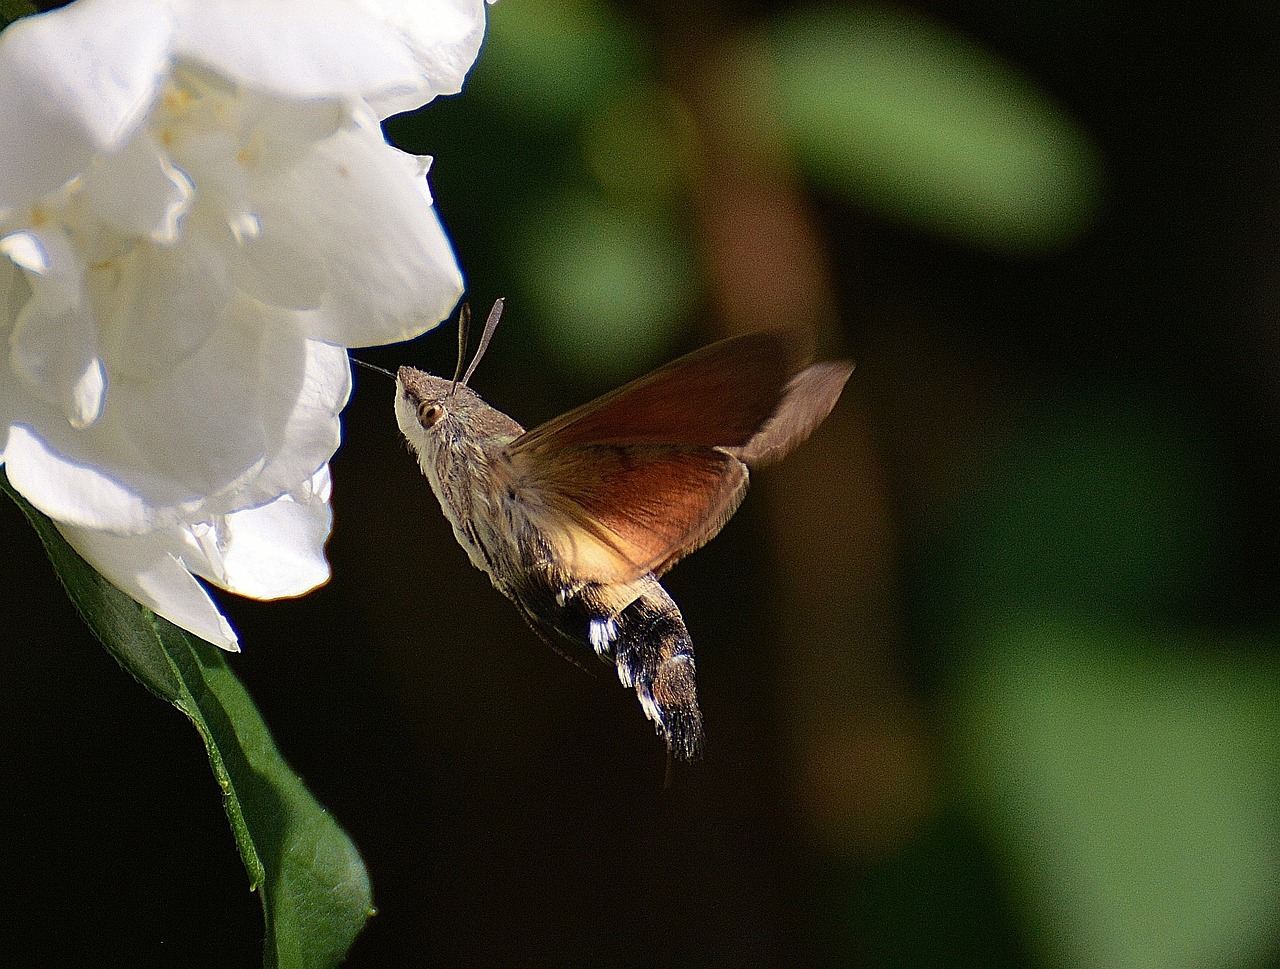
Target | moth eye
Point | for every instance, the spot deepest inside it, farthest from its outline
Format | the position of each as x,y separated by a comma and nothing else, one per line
429,413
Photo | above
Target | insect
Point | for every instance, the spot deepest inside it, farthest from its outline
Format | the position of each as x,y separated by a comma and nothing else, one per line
576,520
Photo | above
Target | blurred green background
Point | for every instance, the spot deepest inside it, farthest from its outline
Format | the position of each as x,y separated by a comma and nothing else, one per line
989,668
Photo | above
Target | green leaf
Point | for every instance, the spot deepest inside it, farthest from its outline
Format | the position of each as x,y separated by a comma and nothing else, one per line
11,10
922,125
314,888
1132,778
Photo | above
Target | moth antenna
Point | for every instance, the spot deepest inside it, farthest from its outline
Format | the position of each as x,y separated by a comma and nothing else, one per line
464,333
369,366
490,325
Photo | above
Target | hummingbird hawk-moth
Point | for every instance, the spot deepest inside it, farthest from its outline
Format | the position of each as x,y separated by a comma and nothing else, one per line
576,520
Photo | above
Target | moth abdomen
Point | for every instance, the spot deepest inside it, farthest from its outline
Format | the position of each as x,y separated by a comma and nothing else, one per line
646,642
654,654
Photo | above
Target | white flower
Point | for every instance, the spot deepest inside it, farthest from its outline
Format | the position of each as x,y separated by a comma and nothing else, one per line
198,214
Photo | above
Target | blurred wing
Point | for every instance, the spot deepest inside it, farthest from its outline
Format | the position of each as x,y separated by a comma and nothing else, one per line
718,396
806,402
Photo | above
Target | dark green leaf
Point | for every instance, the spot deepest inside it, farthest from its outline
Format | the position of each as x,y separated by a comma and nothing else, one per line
611,289
1103,502
315,891
548,63
1134,779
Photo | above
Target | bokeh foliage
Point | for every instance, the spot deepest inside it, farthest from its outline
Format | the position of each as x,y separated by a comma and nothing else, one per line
1110,794
1047,235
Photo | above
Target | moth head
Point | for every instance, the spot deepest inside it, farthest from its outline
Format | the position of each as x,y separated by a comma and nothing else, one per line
424,402
431,409
431,398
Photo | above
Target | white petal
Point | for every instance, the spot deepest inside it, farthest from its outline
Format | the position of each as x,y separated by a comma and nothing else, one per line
27,250
392,271
75,82
444,36
308,435
14,288
210,157
88,394
166,443
302,48
278,263
241,422
137,191
276,131
158,305
70,492
203,426
145,568
224,135
54,346
277,551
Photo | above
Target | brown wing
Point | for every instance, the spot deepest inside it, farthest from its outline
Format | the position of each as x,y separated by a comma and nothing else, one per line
633,480
615,512
715,397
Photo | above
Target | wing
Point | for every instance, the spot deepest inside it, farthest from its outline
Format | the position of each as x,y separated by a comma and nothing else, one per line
614,512
636,479
808,399
715,397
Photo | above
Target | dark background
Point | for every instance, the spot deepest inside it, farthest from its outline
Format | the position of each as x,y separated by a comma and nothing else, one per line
989,668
